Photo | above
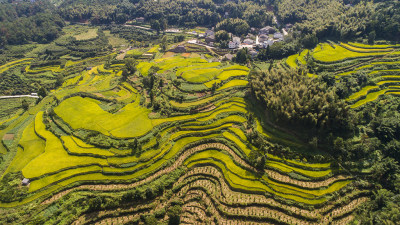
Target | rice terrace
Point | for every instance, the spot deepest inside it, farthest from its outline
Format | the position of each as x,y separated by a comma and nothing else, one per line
379,62
94,134
199,112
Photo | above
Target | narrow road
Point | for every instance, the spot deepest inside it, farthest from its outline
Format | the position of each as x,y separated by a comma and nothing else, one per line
195,43
140,27
18,96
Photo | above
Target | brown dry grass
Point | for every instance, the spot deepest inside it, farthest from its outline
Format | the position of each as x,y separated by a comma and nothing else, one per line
8,137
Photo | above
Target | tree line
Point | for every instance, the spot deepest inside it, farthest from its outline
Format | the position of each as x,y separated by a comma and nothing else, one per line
344,20
179,13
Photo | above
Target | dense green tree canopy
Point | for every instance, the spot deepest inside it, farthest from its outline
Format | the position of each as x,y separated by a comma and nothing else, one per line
26,21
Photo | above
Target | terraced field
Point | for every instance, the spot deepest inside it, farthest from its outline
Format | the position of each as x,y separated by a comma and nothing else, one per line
97,134
381,64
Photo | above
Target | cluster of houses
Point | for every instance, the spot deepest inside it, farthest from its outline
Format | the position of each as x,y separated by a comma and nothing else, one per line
266,36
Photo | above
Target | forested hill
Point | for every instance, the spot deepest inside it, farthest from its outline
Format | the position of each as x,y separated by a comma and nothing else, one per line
182,12
338,19
25,21
342,19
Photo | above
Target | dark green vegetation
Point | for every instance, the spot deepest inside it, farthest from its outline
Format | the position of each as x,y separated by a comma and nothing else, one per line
26,21
294,99
342,20
127,132
185,13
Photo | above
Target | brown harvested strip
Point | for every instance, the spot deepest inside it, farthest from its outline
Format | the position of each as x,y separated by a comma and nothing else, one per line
216,213
237,197
233,197
159,173
207,108
196,209
254,211
349,207
345,220
275,175
82,219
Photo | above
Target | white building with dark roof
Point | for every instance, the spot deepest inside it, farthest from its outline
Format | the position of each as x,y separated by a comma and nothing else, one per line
267,30
263,37
232,45
278,35
25,182
248,41
209,33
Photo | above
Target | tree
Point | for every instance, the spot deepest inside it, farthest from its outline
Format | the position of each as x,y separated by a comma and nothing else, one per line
129,68
339,146
163,24
164,43
133,146
221,36
150,220
25,105
242,56
309,41
371,37
179,38
125,74
155,25
174,213
130,65
95,203
296,100
42,92
236,26
59,80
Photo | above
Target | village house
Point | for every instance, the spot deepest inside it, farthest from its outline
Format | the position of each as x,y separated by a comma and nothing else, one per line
172,30
232,45
25,182
236,40
263,37
179,49
227,57
248,41
253,53
249,36
140,19
267,30
246,46
268,43
209,33
226,15
210,39
278,35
